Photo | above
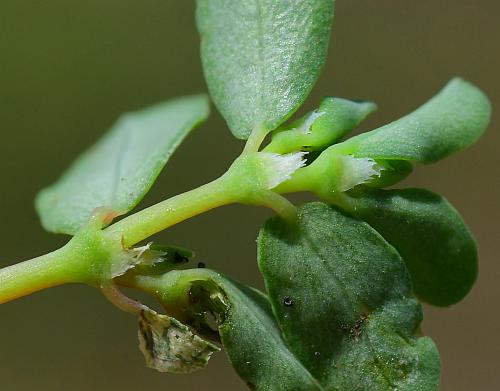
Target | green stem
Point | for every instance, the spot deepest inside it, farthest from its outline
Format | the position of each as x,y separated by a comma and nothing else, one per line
35,274
282,206
171,289
86,258
255,140
156,218
90,256
302,180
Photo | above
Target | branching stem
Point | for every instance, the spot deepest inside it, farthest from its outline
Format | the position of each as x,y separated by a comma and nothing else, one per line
89,257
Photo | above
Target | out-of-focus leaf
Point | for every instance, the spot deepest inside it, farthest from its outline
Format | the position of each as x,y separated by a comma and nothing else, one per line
451,121
430,235
342,297
262,57
116,173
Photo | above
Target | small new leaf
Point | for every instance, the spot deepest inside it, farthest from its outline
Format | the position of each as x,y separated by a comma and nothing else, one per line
261,58
116,173
322,127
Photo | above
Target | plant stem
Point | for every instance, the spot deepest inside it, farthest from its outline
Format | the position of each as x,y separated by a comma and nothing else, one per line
281,205
117,298
171,289
255,140
156,218
35,274
88,257
302,180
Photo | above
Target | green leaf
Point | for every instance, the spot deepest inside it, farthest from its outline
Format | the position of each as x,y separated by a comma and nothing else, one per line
332,173
255,346
430,235
247,327
119,170
342,297
262,57
451,121
320,128
391,172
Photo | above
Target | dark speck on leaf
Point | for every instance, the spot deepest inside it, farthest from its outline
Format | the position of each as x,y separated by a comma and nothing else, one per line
288,301
201,265
357,330
178,258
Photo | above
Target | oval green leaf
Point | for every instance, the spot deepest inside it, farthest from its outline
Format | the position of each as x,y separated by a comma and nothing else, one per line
246,324
261,58
255,346
119,170
438,248
342,297
451,121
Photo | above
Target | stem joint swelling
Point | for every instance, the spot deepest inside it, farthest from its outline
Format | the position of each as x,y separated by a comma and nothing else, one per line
86,258
95,256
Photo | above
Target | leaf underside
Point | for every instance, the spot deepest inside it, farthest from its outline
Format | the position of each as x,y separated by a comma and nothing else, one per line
261,58
119,170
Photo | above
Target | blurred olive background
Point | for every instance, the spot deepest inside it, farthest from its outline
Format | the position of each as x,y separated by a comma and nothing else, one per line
68,68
